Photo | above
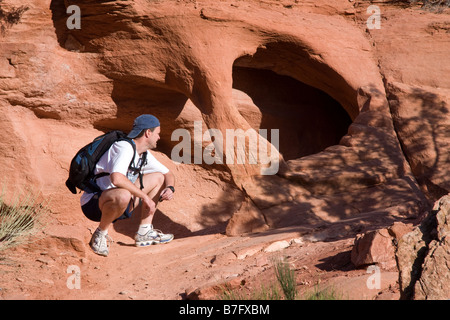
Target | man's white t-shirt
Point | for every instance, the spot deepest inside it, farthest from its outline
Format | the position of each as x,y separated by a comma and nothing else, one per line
117,159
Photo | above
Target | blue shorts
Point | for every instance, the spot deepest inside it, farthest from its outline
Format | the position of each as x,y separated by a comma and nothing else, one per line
92,211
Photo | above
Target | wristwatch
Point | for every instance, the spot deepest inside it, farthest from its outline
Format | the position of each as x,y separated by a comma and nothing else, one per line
171,188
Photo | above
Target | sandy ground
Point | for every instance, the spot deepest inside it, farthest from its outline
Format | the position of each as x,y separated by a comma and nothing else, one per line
190,267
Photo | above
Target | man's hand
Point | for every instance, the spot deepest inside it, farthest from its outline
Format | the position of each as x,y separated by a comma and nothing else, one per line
166,194
148,203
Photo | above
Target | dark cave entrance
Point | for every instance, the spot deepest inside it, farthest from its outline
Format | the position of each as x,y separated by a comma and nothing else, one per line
308,119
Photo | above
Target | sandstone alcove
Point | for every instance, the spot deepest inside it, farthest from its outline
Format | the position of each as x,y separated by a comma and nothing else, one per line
308,119
232,71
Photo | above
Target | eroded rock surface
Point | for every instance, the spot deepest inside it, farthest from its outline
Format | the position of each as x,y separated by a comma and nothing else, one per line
423,256
362,114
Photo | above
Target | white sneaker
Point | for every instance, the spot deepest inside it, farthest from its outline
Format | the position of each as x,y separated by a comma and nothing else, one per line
153,236
100,243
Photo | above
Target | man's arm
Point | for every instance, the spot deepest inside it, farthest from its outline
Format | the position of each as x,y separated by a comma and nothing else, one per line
121,181
169,180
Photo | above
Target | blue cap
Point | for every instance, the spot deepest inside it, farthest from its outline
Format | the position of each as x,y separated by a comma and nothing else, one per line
143,122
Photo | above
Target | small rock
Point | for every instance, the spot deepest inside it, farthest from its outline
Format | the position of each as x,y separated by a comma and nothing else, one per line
374,247
277,246
298,241
399,229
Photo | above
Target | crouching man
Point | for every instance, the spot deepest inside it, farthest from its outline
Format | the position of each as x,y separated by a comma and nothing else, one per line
120,192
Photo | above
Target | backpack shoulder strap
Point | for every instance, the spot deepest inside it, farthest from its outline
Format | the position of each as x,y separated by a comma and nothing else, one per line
141,176
130,141
143,161
124,138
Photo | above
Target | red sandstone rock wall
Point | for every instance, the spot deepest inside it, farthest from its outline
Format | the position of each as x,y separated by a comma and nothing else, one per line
208,61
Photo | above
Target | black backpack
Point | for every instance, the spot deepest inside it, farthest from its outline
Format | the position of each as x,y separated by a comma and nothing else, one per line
81,172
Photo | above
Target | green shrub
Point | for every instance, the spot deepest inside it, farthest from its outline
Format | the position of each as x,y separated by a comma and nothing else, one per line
286,278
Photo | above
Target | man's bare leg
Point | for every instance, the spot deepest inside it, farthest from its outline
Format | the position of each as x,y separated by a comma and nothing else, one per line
146,235
153,183
112,203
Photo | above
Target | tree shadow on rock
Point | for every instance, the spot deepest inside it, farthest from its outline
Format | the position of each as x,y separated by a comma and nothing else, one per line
421,121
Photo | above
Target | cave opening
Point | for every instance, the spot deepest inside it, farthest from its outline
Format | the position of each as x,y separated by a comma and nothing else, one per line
309,120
